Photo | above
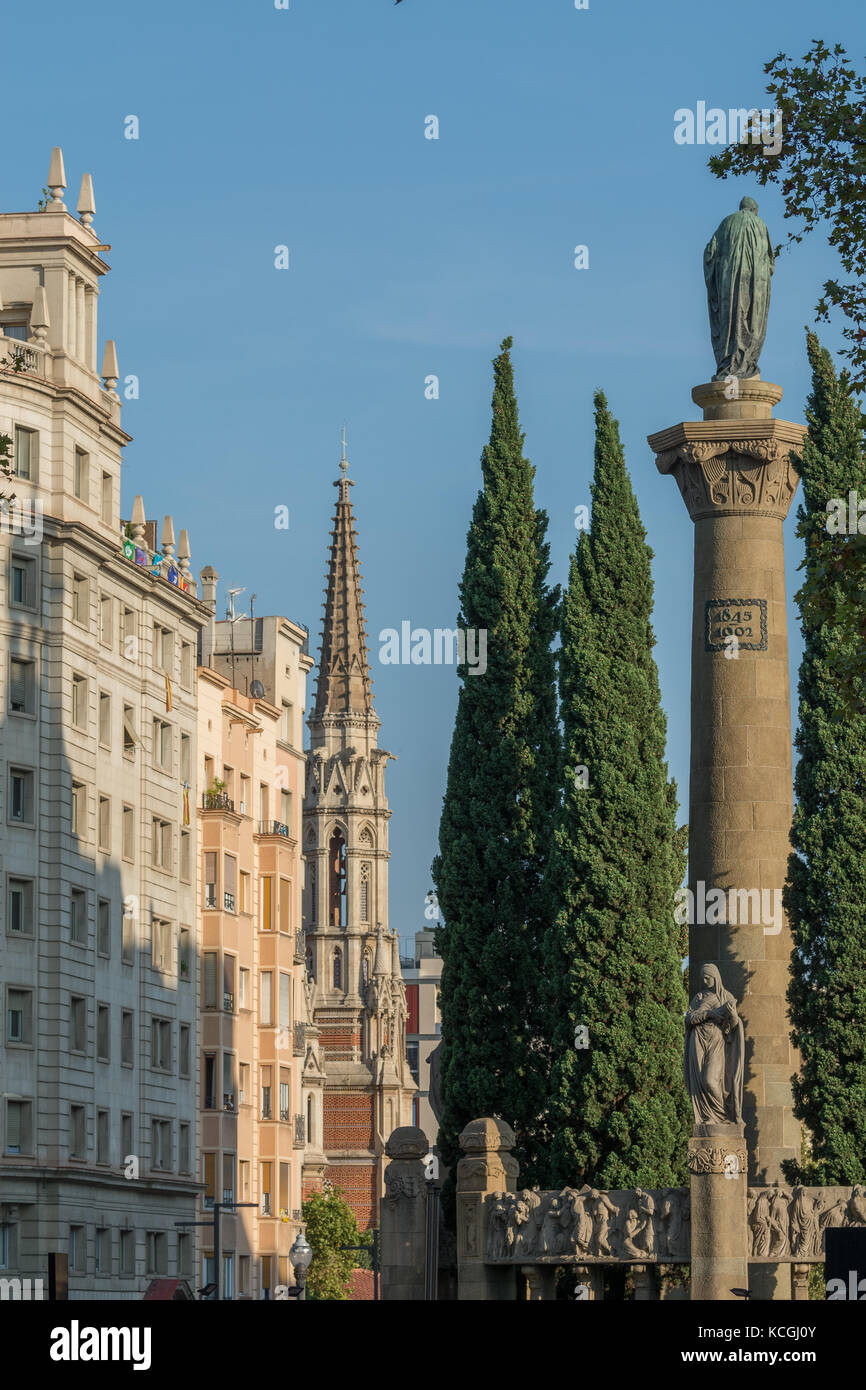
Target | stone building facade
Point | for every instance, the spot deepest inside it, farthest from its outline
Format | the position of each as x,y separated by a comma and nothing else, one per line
353,960
98,940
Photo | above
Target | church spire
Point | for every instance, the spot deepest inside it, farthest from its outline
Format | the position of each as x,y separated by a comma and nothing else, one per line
344,685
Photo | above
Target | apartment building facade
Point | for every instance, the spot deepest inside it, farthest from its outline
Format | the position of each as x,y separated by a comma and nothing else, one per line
99,949
259,1115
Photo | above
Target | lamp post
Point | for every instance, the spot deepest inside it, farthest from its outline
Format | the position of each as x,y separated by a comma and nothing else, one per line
301,1256
218,1208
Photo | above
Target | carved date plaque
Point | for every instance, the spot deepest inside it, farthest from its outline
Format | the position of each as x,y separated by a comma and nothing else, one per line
743,618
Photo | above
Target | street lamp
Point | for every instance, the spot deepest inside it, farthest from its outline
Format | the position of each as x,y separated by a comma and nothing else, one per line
301,1256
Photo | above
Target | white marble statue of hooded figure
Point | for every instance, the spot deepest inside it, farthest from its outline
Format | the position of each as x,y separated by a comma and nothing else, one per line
714,1053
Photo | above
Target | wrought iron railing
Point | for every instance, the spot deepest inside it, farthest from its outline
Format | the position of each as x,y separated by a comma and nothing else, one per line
217,801
300,1132
274,827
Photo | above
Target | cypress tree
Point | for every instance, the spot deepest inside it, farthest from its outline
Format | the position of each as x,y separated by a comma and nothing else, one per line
499,805
825,896
619,1113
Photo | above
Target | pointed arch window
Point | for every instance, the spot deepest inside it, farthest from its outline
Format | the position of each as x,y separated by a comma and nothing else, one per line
313,895
365,970
365,892
338,969
311,963
337,885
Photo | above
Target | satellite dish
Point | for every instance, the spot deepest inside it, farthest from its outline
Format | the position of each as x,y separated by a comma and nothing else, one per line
257,691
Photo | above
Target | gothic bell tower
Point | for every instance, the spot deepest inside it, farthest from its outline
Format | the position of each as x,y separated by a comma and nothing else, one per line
359,999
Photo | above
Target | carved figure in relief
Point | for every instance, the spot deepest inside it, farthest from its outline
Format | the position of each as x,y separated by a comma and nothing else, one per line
577,1221
805,1232
672,1219
551,1226
497,1228
714,1053
759,1221
602,1210
856,1211
779,1221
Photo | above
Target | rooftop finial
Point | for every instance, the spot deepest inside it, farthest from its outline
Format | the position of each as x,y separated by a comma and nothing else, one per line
56,181
344,462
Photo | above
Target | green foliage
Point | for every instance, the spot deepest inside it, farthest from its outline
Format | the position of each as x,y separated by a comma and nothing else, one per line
618,1108
331,1224
825,895
499,807
820,172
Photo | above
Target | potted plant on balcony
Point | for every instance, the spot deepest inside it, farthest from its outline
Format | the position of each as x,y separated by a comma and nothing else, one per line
214,793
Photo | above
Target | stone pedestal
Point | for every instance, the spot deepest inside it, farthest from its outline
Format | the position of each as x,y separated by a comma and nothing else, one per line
734,472
720,1234
800,1282
404,1216
487,1166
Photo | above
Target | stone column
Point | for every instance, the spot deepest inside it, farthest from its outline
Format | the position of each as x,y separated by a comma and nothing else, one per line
487,1166
734,472
403,1217
720,1234
800,1282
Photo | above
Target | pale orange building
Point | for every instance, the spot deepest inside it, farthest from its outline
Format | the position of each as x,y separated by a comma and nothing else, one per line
253,1108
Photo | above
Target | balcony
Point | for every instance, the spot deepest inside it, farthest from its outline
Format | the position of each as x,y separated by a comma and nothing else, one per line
229,902
216,801
19,356
299,1047
228,1002
229,1103
274,827
300,1132
266,1204
300,944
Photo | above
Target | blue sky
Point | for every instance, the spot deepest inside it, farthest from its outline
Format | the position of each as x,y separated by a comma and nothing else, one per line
408,257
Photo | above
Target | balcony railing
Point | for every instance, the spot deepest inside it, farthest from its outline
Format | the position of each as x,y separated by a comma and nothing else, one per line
228,1196
300,1132
300,944
266,1204
274,827
216,801
229,1102
23,357
284,1113
228,1002
229,902
299,1047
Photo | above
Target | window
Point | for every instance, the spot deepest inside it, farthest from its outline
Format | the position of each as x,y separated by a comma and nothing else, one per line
337,881
161,844
185,762
106,619
228,1082
125,1137
127,1041
208,1161
160,1044
103,927
287,722
103,1250
228,1177
21,795
228,1276
81,475
285,905
25,452
266,895
104,719
129,736
128,833
210,1081
266,1193
229,984
244,898
230,869
80,600
163,649
103,1025
103,1152
22,685
78,916
19,1016
185,954
106,512
77,1024
245,799
184,1151
129,634
77,1132
156,1256
20,907
186,665
244,1275
78,810
285,1000
284,1102
127,1252
313,894
76,1249
127,931
310,1120
284,1189
160,1145
79,702
22,582
244,1097
338,969
105,824
210,879
210,979
19,1134
161,944
185,856
184,1253
266,1002
183,1050
266,1092
243,988
365,893
162,745
286,809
